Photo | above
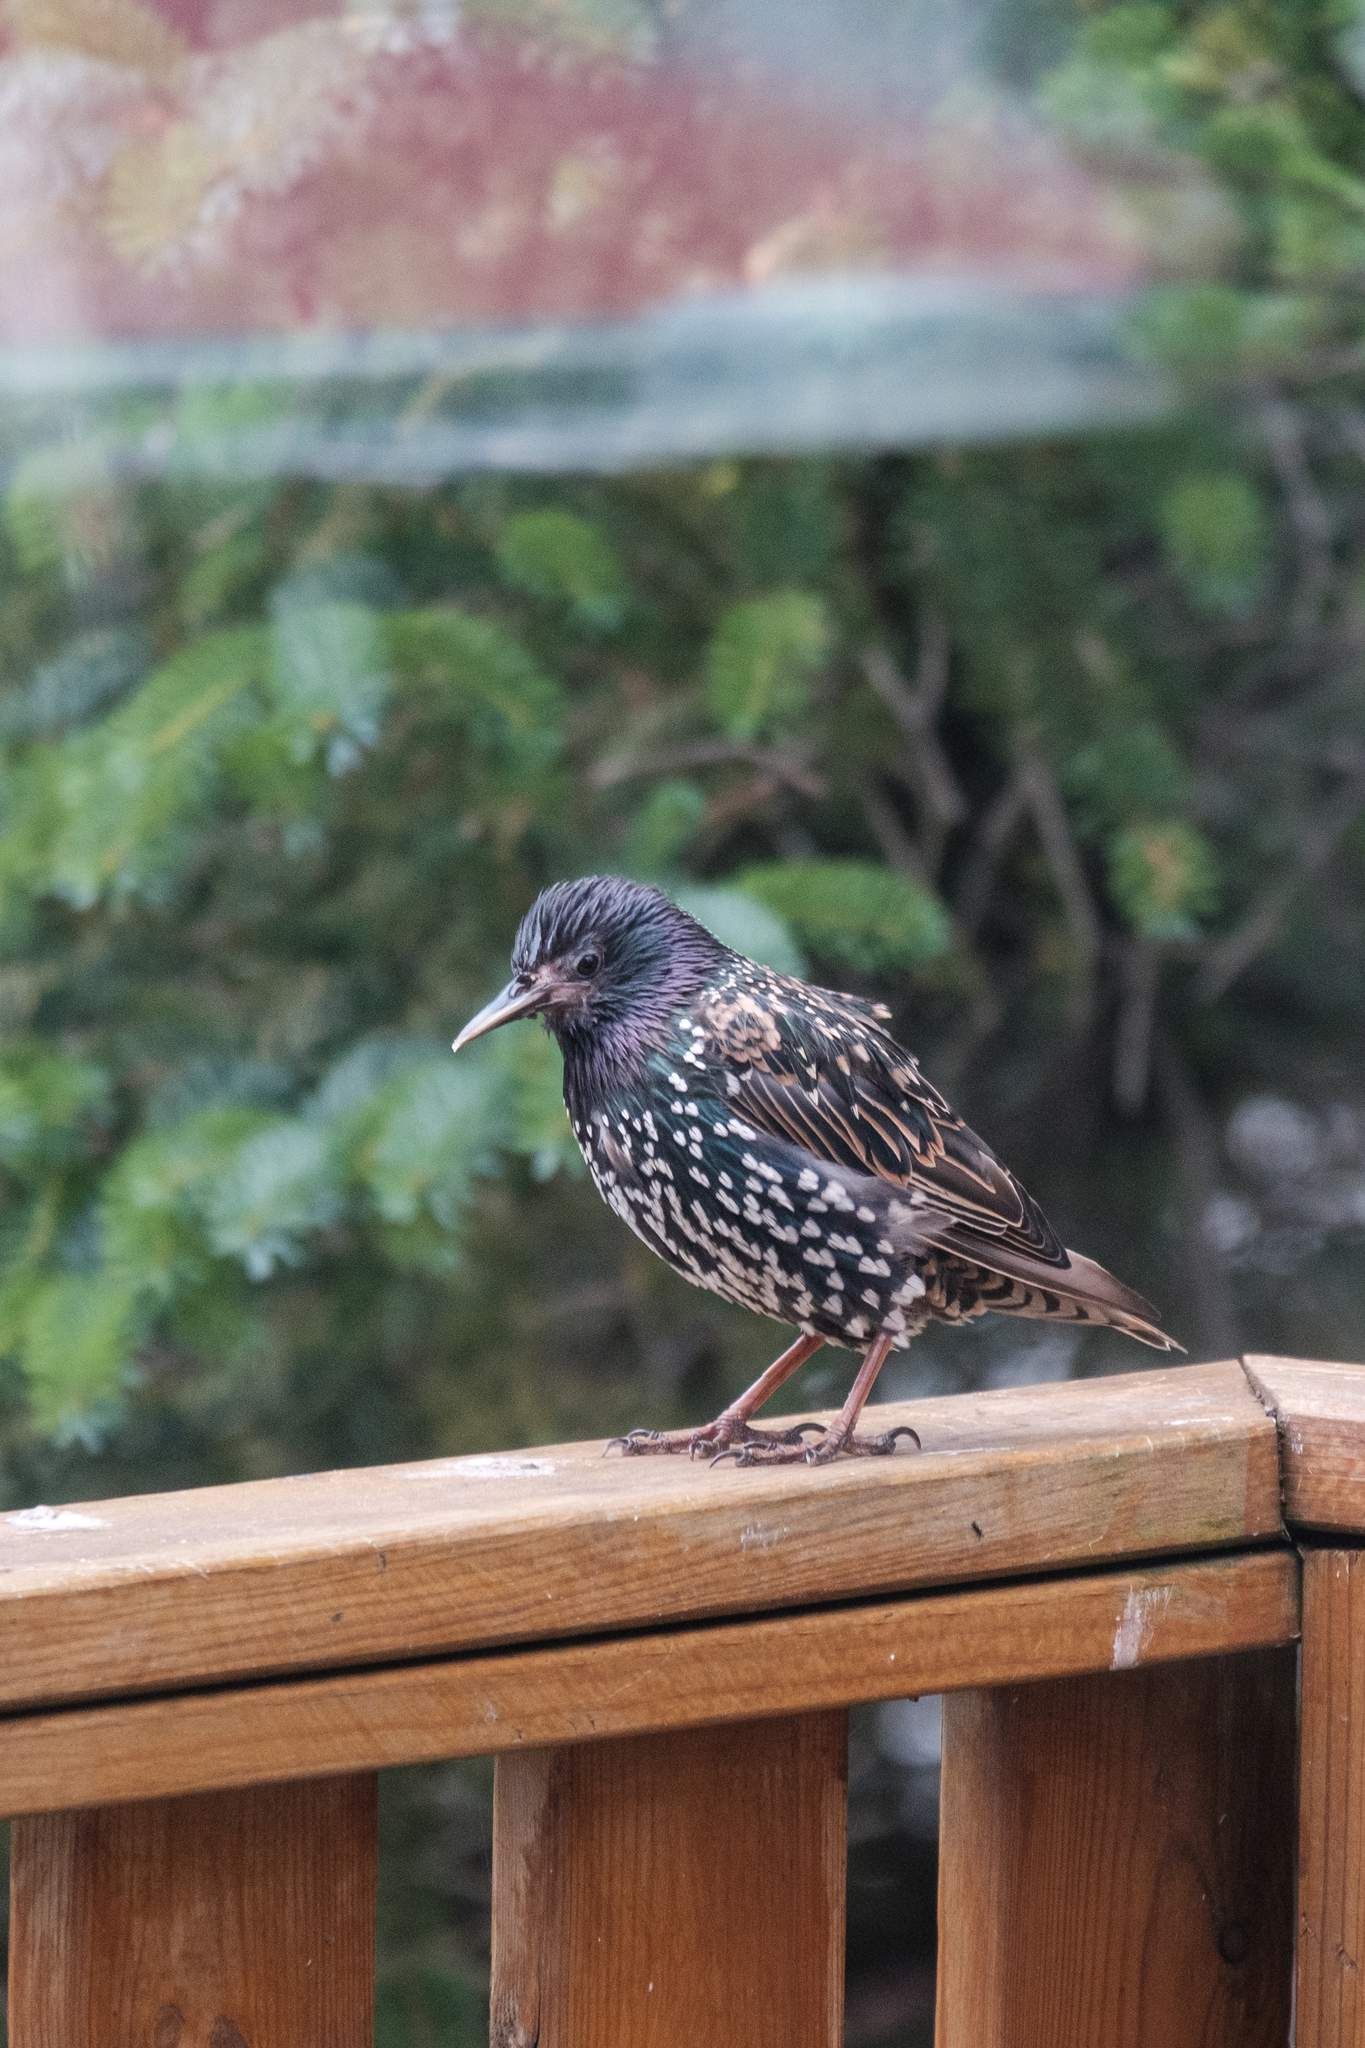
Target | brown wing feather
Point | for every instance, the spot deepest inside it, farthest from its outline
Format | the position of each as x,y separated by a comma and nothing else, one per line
820,1070
810,1066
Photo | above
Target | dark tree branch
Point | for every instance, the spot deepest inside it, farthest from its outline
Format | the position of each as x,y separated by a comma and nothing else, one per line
787,770
1140,985
1230,957
900,851
915,708
1195,1147
1044,802
1308,514
898,847
999,822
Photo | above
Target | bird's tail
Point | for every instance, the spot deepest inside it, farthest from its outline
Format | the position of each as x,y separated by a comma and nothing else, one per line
1017,1298
1079,1291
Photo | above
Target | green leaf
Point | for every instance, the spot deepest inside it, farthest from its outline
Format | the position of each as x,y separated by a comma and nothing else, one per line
18,1287
1134,771
210,583
427,1136
761,659
662,826
211,414
740,918
1217,539
345,1099
73,685
109,810
1208,331
510,708
560,558
1114,92
1164,877
850,912
329,676
279,1189
416,2002
152,1215
1270,144
783,523
1133,35
529,1075
80,1336
49,1104
275,767
36,507
183,701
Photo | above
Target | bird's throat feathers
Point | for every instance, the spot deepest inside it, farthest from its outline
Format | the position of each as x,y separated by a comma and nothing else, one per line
607,1048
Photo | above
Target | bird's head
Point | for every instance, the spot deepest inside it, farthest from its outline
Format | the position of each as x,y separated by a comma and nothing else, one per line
602,961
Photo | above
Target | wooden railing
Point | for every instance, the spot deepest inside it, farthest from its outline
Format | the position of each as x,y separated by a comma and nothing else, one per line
199,1689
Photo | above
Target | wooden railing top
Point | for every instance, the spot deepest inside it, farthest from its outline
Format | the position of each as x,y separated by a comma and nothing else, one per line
1320,1409
370,1568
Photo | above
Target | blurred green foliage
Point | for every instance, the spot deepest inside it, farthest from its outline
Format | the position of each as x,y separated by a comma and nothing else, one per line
1058,748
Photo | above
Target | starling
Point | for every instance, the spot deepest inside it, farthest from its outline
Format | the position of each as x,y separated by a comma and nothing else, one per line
774,1143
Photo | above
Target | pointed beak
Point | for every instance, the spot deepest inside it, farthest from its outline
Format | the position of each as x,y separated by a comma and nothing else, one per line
516,1000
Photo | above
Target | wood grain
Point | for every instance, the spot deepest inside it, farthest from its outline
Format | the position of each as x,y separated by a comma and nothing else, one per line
368,1567
237,1920
1117,1860
1320,1410
673,1891
720,1671
1330,2004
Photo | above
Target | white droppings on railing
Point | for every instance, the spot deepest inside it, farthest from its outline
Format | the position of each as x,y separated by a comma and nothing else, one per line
762,1535
52,1520
1140,1613
495,1466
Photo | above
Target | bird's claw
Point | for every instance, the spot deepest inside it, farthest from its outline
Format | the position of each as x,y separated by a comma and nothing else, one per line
884,1445
750,1445
637,1441
716,1439
747,1452
744,1446
832,1445
792,1449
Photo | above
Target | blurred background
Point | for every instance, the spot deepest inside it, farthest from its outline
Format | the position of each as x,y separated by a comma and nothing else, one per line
892,472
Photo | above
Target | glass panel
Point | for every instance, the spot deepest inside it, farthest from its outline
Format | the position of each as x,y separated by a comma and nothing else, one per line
388,242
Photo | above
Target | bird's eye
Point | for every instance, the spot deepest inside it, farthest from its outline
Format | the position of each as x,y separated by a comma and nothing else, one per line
587,963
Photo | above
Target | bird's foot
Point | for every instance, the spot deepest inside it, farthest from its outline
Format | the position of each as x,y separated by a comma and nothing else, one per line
881,1446
721,1438
831,1443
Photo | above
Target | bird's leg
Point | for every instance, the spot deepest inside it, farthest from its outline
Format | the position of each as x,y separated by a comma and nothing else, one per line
839,1437
732,1425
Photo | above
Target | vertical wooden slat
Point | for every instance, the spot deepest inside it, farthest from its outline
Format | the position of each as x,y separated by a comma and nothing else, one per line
1330,2005
222,1920
673,1891
1117,1860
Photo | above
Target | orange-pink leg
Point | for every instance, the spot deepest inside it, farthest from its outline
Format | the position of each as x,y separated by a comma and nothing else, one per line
839,1438
731,1426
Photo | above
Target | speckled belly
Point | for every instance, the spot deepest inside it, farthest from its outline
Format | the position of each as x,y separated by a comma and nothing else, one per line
791,1244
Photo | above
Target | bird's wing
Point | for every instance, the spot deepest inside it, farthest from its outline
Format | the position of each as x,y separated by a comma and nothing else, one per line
818,1070
815,1068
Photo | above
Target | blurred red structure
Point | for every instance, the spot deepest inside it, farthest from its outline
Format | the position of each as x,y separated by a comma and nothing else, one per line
209,167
